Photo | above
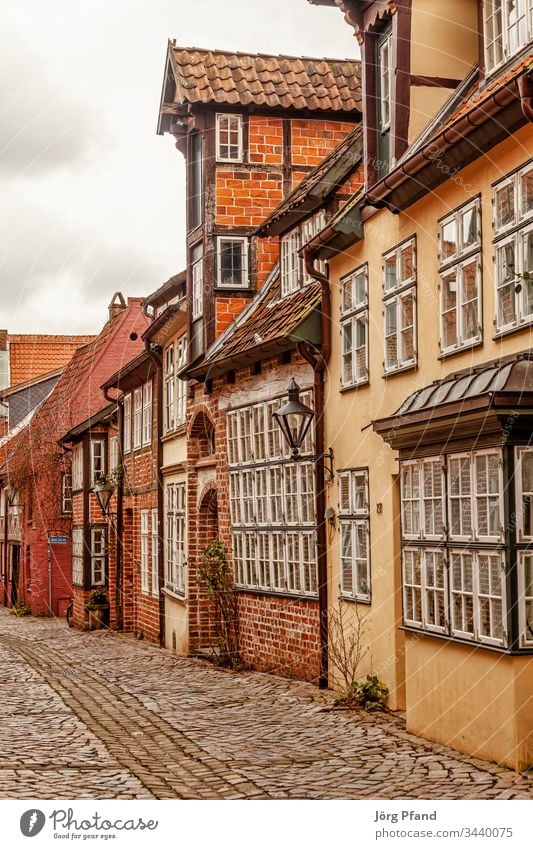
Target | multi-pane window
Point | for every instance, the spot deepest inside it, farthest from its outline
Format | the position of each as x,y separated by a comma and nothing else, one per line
127,423
525,593
77,467
145,549
508,29
354,327
399,307
195,182
229,146
155,553
147,413
293,273
66,493
513,249
98,556
386,71
176,547
97,456
524,493
232,262
77,556
272,503
355,534
175,388
197,278
113,454
452,512
137,417
460,277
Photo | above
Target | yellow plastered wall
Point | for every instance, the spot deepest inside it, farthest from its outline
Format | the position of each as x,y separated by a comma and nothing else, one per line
444,37
350,434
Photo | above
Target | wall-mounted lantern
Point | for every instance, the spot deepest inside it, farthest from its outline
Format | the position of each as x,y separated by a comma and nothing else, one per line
294,418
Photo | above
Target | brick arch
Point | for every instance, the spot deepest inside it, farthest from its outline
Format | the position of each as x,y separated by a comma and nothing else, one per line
201,434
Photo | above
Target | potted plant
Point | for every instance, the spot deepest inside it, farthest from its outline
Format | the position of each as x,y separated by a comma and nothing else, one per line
97,607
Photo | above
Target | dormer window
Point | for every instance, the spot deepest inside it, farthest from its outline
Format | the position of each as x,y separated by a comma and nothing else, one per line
229,138
508,28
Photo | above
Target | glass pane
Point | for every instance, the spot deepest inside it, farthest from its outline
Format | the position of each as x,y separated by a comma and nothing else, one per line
505,206
390,272
231,263
469,228
407,263
526,192
448,240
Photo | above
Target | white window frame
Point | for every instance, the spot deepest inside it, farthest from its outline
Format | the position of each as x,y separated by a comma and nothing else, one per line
386,71
78,556
147,413
244,245
395,296
197,283
354,314
475,534
77,467
127,423
492,9
137,417
145,548
258,492
176,542
294,275
97,471
525,625
113,454
424,588
170,383
98,556
475,594
354,516
155,553
180,394
66,494
513,234
520,453
419,501
221,119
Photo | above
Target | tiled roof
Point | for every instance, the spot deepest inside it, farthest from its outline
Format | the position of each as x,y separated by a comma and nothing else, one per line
268,326
31,355
325,178
289,82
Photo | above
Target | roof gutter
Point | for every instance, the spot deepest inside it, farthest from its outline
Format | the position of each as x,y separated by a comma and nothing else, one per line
446,139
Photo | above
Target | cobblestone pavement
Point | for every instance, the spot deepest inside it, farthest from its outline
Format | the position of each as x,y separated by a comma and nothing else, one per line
100,715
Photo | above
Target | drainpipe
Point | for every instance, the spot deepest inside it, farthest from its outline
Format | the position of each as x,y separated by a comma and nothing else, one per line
5,547
119,528
525,87
318,361
156,358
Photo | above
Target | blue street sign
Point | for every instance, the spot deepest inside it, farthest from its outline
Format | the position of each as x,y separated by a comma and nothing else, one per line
57,540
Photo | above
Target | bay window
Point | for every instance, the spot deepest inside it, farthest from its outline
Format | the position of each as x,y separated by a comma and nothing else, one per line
272,503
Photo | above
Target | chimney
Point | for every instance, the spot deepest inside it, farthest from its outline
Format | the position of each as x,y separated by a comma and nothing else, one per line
116,306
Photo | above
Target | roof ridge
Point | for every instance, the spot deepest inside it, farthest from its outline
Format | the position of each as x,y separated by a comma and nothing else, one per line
266,55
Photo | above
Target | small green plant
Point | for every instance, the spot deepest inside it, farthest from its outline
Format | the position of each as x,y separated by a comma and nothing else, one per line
96,598
216,575
370,694
20,609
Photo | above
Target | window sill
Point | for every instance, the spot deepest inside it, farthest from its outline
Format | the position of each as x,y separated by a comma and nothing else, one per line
472,644
510,331
351,386
400,370
174,595
234,291
445,355
205,462
355,599
181,430
277,594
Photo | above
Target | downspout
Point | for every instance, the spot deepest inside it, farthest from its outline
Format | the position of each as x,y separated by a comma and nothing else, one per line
318,361
525,87
5,548
160,549
119,529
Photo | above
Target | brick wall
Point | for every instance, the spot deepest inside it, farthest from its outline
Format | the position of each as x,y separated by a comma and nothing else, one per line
265,140
280,635
312,140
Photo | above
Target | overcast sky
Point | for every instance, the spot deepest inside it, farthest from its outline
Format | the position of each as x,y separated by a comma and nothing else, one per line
92,198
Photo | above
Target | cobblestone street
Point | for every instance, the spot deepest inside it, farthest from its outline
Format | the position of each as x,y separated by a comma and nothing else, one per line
101,715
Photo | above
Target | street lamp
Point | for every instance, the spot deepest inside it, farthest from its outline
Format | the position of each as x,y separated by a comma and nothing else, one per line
103,493
294,418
